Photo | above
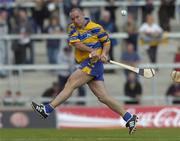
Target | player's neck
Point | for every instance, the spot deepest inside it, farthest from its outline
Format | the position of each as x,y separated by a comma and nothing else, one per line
85,22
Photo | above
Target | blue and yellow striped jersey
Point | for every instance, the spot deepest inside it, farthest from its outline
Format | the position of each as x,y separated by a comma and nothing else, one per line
92,35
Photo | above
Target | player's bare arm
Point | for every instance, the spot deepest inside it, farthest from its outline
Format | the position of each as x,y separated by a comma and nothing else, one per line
105,52
82,47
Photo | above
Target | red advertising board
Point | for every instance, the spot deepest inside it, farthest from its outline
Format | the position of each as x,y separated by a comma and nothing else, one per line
92,117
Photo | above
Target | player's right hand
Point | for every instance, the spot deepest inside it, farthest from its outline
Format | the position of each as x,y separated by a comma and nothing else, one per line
104,58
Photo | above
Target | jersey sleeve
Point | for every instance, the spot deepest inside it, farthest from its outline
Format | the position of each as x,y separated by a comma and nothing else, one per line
72,35
103,36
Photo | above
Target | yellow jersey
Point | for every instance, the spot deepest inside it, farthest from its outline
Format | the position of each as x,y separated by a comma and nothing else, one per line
92,35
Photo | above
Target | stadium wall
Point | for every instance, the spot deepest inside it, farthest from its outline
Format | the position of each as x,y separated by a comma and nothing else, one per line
92,117
25,118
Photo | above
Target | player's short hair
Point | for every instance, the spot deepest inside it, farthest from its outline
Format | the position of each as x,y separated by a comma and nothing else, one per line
75,9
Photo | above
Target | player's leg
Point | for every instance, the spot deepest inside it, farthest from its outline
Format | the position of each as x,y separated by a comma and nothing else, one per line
100,91
77,79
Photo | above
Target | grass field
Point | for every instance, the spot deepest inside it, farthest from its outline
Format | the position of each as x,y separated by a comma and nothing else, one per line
167,134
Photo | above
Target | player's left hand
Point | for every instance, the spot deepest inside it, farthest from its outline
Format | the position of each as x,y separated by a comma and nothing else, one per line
104,58
94,54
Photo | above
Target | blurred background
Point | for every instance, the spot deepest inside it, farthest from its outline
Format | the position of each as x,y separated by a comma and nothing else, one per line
35,61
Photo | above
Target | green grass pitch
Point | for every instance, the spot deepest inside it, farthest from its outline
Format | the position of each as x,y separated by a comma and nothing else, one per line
142,134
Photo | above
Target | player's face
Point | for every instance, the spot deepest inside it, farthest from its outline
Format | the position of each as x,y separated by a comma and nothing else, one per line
77,18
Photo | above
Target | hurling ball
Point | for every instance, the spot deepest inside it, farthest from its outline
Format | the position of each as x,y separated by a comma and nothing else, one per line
123,12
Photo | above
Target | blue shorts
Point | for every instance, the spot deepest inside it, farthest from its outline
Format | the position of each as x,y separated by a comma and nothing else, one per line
95,69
